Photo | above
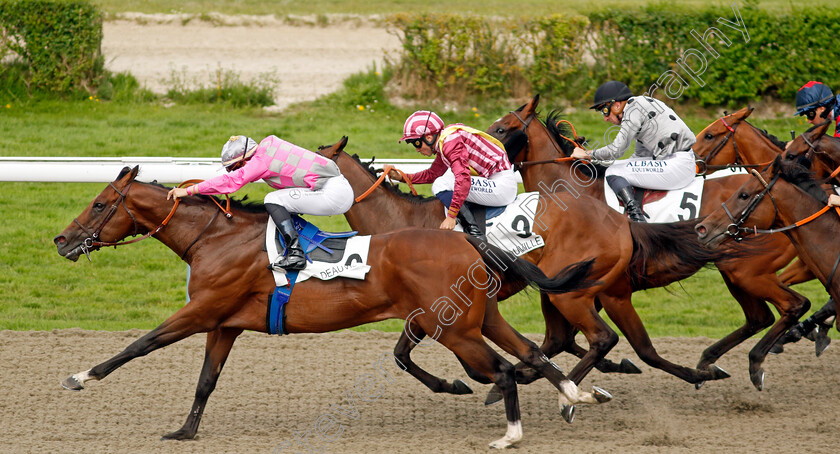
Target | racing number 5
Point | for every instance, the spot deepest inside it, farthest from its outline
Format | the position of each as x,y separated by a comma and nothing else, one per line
688,204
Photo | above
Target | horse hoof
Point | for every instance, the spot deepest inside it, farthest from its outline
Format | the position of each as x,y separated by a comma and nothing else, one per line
501,443
180,434
629,367
777,349
459,387
493,396
758,379
718,373
72,384
821,343
699,384
601,395
568,413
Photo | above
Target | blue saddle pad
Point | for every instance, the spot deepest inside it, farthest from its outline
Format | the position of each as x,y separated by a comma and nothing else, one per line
317,245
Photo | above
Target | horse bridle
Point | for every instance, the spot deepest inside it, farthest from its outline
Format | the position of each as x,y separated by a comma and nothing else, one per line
91,243
735,229
526,122
701,163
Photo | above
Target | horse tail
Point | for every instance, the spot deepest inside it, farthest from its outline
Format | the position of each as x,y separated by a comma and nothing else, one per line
517,270
669,252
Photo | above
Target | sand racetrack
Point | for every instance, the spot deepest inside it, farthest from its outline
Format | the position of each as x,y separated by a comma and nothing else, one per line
274,388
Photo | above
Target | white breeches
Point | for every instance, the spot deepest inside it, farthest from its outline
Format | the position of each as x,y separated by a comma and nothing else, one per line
676,172
334,197
498,190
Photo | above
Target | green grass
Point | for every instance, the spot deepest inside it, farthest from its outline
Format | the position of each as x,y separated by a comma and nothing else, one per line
488,7
139,285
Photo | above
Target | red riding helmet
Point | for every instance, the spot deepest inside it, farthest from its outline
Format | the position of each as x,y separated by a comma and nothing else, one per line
421,123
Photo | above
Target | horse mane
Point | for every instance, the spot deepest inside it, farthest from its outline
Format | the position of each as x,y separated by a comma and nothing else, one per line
558,131
235,204
773,139
391,187
797,171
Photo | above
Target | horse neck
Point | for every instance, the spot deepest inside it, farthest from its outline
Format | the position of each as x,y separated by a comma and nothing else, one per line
383,210
829,154
149,206
554,176
814,241
754,147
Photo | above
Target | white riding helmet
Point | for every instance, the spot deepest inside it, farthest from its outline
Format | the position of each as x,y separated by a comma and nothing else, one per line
237,149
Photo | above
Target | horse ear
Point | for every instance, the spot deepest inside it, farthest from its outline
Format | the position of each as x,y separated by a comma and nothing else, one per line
820,130
776,166
128,171
746,111
332,151
531,106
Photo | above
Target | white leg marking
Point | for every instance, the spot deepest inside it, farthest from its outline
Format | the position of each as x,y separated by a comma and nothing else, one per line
513,436
82,377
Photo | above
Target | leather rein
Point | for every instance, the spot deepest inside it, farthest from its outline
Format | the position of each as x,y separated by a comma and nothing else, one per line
736,230
526,122
92,242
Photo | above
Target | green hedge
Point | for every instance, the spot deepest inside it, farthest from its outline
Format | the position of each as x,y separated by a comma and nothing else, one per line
569,56
455,56
58,41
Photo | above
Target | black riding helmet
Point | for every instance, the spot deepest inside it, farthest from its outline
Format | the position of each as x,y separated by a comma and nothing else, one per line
610,92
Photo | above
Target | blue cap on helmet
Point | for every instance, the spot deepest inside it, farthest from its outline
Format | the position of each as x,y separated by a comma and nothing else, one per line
812,95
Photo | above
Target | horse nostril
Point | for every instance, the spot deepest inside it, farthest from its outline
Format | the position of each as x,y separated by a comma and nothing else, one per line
701,230
60,239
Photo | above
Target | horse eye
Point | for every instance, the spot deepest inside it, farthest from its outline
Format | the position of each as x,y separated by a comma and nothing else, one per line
709,136
98,206
743,196
500,130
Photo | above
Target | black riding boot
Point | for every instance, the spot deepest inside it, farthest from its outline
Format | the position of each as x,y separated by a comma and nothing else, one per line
624,191
294,258
472,218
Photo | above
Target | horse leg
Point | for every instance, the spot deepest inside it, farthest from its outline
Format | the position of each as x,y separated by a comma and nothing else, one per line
789,304
560,337
470,346
757,317
402,351
216,350
498,330
815,328
184,323
623,314
796,273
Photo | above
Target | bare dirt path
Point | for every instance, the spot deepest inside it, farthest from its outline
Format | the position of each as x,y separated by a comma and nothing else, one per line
274,388
308,61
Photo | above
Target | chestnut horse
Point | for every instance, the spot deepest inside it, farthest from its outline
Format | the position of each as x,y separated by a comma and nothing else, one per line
743,145
230,286
783,197
621,249
541,151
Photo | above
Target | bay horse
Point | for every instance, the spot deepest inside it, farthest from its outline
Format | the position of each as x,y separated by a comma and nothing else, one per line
607,237
541,152
783,197
732,142
230,286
